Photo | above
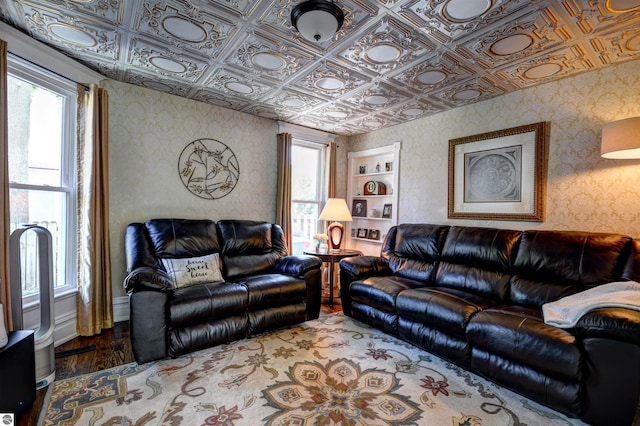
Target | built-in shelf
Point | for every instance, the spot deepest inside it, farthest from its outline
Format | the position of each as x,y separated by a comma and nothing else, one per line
386,157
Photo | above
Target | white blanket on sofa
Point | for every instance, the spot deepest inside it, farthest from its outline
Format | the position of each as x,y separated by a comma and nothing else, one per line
566,312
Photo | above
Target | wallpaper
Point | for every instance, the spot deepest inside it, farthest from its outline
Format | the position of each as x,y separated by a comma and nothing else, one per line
148,131
584,191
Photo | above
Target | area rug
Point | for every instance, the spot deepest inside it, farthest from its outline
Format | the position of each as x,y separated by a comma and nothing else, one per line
331,371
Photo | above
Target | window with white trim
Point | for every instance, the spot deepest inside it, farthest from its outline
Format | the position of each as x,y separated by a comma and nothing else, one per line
307,192
42,169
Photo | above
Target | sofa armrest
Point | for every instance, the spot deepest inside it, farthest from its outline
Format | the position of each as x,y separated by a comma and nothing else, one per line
297,266
360,267
147,278
612,323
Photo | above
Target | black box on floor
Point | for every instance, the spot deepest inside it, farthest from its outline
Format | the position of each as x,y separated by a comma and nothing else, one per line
17,373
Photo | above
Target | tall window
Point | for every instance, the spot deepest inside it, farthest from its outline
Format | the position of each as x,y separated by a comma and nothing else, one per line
42,173
307,192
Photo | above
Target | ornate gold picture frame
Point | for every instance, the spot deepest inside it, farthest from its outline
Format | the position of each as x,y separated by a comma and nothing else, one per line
500,175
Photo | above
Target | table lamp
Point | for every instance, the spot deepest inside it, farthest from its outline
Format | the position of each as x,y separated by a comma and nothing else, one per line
335,210
621,139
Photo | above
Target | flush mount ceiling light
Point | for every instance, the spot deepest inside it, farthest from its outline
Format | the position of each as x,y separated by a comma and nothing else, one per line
317,20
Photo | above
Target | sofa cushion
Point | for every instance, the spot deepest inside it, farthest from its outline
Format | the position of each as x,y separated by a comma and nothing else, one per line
182,237
519,334
554,264
250,247
193,270
414,249
381,292
207,302
445,309
269,290
478,260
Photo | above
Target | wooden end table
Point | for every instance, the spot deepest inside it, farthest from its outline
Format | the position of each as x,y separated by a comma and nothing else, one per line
331,257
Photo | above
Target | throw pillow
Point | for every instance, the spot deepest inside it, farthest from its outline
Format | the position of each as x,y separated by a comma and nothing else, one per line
193,270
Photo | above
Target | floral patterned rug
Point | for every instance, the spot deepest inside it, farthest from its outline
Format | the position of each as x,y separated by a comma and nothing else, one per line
331,371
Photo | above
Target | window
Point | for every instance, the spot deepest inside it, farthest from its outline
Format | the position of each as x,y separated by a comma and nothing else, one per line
307,192
42,172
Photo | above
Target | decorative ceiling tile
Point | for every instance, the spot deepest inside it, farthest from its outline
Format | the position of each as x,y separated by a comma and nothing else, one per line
164,61
527,35
377,97
331,80
152,81
295,101
184,26
392,60
474,91
436,72
237,84
77,35
220,99
450,20
387,46
268,58
561,63
617,45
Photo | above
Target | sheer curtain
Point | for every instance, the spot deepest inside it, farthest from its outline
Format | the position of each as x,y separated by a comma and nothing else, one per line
95,307
283,201
5,290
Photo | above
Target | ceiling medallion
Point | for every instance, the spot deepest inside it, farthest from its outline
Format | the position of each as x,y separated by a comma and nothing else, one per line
268,61
238,87
376,100
208,168
329,83
467,95
622,6
294,103
184,30
465,10
72,35
167,64
542,71
317,20
430,77
382,53
510,45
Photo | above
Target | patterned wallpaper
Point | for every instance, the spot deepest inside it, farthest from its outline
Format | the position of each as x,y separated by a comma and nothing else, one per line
148,131
584,191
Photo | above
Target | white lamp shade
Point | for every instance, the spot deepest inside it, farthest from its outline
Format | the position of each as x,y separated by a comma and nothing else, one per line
336,209
621,139
317,25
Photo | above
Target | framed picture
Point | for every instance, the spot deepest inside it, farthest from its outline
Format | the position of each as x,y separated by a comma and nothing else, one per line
388,166
362,233
374,234
362,169
359,208
353,232
386,210
499,175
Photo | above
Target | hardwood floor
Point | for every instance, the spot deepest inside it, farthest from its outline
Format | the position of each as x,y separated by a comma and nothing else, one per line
112,348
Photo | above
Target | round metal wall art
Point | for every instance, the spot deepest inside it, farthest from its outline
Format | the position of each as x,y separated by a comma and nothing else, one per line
208,168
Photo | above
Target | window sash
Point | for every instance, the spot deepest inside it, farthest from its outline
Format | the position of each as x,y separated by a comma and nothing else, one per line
33,74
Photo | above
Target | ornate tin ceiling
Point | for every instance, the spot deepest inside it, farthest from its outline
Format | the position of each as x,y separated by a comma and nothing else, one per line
391,62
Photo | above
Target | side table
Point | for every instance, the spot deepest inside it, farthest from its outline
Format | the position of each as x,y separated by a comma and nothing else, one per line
331,257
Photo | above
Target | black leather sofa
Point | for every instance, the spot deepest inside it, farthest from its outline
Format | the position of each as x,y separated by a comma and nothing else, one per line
261,288
473,296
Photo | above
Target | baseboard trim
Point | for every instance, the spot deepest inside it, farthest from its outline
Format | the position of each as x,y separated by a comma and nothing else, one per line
66,328
121,308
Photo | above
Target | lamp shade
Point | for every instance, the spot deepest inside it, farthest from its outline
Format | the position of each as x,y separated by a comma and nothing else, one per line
317,20
336,209
621,139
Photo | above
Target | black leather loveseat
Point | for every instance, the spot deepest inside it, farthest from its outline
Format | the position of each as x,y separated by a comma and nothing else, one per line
197,283
473,296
